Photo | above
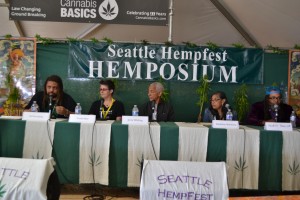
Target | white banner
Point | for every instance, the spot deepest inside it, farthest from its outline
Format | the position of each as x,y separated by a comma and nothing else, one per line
24,179
183,180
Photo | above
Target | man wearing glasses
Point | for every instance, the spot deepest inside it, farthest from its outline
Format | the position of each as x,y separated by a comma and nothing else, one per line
272,109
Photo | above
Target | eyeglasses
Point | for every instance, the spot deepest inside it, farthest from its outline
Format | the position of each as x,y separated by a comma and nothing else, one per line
273,98
214,100
103,89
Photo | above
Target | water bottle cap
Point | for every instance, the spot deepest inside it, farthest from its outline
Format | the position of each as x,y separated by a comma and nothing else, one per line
78,103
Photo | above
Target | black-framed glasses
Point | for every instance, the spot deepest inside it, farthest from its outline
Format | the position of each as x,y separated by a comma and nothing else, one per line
273,98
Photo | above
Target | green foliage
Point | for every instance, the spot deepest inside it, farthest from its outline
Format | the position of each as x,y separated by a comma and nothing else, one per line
238,45
165,94
241,102
277,50
169,43
212,46
144,42
44,40
94,40
202,91
297,46
108,40
8,36
190,45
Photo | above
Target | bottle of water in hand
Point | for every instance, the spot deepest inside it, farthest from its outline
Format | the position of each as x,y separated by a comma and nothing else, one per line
34,107
293,119
135,111
78,109
229,115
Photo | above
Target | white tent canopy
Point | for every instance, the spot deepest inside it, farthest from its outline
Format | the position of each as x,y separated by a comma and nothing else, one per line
223,22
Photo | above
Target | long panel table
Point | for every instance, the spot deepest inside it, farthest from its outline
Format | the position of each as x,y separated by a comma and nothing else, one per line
66,150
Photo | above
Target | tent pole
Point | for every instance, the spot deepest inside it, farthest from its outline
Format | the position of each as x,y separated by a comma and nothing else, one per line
170,39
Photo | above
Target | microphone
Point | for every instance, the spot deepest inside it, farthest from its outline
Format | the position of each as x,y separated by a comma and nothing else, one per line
152,106
101,108
50,101
153,111
276,108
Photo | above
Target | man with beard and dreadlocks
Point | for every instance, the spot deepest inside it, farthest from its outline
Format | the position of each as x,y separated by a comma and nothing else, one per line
272,109
53,98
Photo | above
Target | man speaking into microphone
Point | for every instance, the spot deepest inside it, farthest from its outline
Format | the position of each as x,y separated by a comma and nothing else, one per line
157,109
271,109
53,98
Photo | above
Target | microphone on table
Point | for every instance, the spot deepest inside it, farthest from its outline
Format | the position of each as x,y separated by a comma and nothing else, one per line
276,108
50,98
153,113
101,109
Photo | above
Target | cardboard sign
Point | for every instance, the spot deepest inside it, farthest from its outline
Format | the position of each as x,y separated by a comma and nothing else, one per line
82,118
278,126
137,120
227,124
183,180
36,116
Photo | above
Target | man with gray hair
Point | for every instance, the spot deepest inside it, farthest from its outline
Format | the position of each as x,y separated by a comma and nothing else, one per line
157,109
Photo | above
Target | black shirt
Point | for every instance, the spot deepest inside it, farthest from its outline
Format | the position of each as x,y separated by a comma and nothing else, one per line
116,110
67,102
165,111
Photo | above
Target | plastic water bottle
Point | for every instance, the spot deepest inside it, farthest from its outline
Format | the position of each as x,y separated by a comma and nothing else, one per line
229,115
34,107
78,109
293,119
135,111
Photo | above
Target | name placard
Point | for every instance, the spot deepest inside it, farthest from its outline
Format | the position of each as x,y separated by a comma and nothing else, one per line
36,116
278,126
82,118
138,120
227,124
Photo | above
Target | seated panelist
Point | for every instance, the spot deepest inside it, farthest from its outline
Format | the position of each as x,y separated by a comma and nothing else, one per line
53,98
107,108
271,109
156,108
217,108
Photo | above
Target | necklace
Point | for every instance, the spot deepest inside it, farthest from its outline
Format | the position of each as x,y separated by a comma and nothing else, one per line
106,112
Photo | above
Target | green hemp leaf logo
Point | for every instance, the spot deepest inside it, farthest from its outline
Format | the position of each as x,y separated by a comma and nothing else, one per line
93,160
240,165
294,169
140,161
2,192
38,156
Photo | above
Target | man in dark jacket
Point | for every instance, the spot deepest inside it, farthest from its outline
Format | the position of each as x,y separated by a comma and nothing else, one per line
157,109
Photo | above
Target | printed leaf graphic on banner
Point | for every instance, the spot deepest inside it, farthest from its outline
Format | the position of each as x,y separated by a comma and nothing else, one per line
2,192
241,165
140,161
38,156
93,160
294,169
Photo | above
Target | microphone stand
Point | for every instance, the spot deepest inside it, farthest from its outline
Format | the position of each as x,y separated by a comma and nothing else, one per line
101,110
276,112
